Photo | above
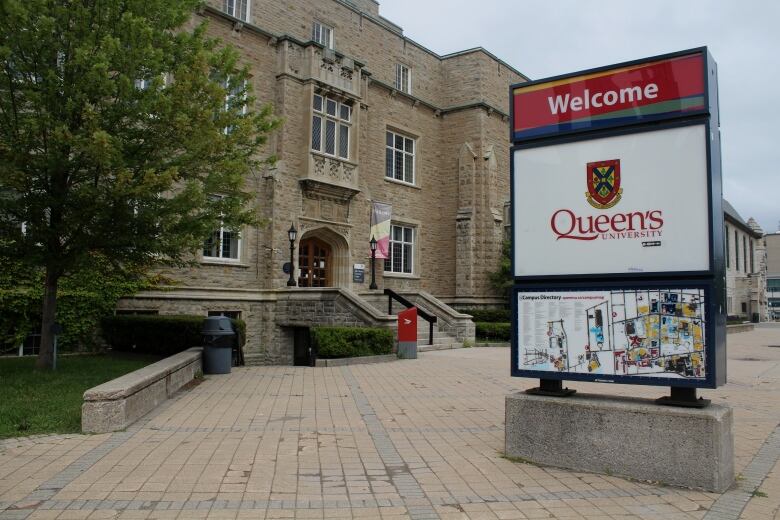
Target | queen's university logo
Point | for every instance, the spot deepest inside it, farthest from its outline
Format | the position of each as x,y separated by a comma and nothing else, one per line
604,189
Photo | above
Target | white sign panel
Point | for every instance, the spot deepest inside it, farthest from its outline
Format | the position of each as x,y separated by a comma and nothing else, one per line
625,204
651,332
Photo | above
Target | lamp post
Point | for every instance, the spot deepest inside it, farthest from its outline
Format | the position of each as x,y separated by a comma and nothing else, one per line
291,234
372,243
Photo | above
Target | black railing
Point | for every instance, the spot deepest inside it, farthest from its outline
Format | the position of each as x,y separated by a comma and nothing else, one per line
430,318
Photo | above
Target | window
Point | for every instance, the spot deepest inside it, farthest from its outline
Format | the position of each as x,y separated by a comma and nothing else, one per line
403,78
752,258
322,34
744,307
736,250
233,315
330,126
238,9
223,244
728,251
401,250
744,254
399,158
236,94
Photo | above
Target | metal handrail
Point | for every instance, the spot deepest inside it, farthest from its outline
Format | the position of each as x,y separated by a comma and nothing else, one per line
430,318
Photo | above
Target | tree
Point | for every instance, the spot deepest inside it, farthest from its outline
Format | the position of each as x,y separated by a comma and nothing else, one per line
118,126
501,279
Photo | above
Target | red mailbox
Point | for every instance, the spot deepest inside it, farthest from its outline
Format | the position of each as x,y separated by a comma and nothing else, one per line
407,333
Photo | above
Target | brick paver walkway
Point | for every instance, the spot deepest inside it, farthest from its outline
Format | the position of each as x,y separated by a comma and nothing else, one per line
411,439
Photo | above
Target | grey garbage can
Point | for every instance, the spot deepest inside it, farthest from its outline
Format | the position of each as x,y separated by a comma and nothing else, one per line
218,340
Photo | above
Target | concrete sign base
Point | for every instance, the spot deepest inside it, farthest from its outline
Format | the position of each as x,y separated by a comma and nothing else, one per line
407,349
624,436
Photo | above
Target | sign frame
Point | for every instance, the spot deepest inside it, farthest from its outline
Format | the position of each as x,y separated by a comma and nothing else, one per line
715,345
714,196
712,279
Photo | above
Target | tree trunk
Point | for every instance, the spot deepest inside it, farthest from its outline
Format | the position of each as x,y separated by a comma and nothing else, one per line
45,359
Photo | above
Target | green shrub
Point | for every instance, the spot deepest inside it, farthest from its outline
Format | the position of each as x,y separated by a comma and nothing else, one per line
339,342
489,315
496,331
160,335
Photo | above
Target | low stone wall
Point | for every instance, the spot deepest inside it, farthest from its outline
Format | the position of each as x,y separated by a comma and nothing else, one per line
118,403
742,327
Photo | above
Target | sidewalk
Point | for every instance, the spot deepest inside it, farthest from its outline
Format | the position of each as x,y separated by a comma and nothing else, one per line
411,439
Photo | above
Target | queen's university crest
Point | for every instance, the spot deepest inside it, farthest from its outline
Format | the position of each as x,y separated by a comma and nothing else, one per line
604,189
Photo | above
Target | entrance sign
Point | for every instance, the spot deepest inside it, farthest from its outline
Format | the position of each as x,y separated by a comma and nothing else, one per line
617,226
611,96
619,205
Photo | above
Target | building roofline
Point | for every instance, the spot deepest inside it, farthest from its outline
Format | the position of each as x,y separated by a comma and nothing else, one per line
382,22
485,51
744,227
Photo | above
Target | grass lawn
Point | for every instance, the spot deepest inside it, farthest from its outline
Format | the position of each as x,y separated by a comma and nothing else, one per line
33,402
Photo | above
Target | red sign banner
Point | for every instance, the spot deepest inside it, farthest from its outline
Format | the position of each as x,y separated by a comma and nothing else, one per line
627,94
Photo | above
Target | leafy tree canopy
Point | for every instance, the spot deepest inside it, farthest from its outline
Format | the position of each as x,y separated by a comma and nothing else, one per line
119,122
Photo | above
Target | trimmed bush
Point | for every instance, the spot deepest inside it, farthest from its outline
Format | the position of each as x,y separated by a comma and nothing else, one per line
488,315
341,342
162,335
496,331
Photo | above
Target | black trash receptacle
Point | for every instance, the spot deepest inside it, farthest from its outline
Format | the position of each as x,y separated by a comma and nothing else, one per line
218,340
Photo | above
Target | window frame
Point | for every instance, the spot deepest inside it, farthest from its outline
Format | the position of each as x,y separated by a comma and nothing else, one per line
340,124
247,14
388,262
232,94
219,245
400,84
390,167
316,33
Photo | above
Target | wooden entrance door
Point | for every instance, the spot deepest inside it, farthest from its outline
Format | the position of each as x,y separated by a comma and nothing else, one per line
314,260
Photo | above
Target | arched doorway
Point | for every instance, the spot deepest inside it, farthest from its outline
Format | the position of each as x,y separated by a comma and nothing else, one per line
315,259
323,259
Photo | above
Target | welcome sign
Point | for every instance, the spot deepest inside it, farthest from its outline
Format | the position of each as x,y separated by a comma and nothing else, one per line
617,225
605,98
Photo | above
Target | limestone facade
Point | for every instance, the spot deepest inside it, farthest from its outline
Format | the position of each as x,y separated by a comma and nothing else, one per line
745,266
773,273
365,81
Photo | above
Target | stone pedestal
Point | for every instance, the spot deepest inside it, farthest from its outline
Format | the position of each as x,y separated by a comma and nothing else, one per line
624,436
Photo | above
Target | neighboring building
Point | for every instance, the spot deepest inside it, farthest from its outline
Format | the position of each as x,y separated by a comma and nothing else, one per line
369,116
773,274
745,266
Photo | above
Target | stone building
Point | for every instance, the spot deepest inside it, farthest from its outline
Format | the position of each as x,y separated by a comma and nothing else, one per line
773,274
745,266
369,116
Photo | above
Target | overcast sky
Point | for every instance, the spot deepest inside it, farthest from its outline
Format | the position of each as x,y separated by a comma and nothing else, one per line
546,38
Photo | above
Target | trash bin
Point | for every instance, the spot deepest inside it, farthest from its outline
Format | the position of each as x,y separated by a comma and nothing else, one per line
218,340
755,317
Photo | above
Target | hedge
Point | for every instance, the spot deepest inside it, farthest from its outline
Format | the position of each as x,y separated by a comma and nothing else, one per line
488,315
340,342
162,335
497,331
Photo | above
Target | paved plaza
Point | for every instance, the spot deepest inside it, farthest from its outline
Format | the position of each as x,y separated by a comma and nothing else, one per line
409,439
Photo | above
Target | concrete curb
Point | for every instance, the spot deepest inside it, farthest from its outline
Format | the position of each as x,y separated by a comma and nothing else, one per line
363,360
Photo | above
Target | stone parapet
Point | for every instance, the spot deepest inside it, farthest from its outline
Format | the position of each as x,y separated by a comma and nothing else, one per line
118,403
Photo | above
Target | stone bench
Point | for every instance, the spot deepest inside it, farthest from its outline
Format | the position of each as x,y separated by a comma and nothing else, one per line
118,403
740,327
